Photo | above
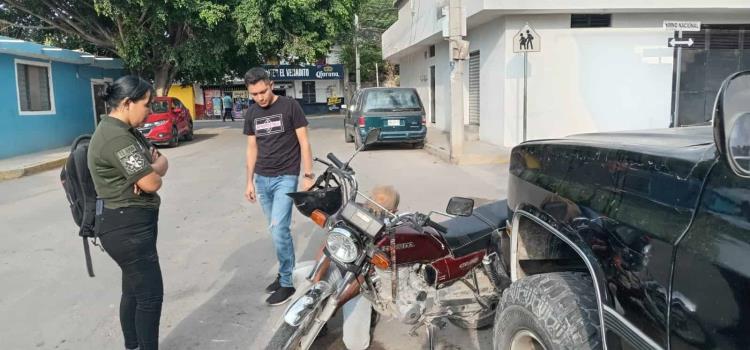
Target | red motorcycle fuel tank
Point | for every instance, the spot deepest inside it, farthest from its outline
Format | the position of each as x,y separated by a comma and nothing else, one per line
413,246
428,248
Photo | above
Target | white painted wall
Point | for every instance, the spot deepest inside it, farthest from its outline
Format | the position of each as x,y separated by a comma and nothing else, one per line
488,39
415,72
418,21
593,79
584,80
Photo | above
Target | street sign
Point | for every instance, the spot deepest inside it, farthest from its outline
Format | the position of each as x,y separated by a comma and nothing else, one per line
682,26
679,43
527,40
674,42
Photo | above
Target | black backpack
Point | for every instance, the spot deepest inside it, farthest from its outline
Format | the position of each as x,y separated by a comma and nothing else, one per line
79,189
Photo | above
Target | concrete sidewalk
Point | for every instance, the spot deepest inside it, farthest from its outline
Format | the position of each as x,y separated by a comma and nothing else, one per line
475,152
15,167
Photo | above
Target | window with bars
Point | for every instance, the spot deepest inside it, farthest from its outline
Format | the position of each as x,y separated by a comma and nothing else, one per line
590,20
34,92
717,52
308,91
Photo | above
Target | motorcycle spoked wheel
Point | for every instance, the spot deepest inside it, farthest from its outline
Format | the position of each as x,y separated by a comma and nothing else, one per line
288,337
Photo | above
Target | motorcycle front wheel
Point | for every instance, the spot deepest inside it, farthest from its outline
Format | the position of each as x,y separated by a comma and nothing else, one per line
286,337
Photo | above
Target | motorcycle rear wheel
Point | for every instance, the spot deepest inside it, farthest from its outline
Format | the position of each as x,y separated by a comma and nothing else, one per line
483,320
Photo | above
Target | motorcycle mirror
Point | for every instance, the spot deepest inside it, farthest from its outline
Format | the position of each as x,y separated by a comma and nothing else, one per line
372,136
731,120
460,206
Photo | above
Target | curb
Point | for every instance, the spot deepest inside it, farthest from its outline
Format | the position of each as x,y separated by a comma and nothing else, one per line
438,151
27,170
466,159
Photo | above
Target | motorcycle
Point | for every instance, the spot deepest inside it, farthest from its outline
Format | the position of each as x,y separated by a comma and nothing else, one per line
408,266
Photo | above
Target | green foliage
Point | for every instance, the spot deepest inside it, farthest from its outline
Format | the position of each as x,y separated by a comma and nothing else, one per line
296,30
185,40
375,16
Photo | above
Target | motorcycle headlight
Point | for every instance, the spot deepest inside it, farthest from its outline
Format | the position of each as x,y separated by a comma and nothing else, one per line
341,245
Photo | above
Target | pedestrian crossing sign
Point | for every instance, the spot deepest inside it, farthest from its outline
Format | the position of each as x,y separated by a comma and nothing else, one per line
527,40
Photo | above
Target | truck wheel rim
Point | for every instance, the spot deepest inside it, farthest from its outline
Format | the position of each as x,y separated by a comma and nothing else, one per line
526,340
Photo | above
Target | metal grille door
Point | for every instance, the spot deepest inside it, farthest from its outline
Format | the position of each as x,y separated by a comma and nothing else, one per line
474,88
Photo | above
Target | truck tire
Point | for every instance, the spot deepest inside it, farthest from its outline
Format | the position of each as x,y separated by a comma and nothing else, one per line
548,311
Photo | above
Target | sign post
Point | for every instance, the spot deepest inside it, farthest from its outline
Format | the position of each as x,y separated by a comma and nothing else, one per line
679,27
525,41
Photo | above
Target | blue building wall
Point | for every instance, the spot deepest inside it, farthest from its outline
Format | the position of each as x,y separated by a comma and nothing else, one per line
74,111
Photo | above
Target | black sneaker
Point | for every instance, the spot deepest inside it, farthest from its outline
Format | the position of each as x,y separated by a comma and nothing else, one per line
274,286
281,296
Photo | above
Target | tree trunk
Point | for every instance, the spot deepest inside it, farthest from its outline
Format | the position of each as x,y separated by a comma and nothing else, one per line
391,79
162,79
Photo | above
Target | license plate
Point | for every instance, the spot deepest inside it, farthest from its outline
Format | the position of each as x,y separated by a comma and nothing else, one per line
394,122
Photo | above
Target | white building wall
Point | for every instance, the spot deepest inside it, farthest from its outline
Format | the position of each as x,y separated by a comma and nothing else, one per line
415,73
593,79
488,40
418,20
588,79
583,80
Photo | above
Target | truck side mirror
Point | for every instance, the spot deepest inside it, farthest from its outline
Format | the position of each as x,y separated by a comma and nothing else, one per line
731,122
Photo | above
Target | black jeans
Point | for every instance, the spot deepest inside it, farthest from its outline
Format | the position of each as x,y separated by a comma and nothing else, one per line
129,237
227,113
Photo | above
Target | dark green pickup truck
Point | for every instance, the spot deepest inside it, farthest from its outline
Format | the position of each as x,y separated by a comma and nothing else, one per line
632,240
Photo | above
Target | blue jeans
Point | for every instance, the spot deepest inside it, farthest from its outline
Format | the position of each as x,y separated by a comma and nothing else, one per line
277,207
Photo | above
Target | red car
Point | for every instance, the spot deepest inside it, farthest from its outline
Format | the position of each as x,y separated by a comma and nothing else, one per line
168,122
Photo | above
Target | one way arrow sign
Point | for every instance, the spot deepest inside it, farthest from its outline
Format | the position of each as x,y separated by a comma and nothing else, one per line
676,42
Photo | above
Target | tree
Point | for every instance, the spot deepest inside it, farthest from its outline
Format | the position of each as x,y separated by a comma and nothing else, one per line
162,40
295,30
375,16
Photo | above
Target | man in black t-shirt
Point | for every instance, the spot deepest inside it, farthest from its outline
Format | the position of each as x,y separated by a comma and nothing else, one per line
277,143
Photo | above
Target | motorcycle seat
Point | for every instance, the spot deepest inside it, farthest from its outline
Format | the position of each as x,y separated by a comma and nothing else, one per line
468,234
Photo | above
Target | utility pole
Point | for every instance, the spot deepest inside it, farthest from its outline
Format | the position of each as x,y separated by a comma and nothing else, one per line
377,76
356,50
458,52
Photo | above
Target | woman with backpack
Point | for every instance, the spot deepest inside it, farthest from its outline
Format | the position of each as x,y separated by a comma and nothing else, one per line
127,172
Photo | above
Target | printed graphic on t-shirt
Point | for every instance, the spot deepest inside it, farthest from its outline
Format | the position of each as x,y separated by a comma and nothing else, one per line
131,159
269,125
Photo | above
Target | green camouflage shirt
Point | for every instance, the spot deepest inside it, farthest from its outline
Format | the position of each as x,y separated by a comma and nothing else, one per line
118,157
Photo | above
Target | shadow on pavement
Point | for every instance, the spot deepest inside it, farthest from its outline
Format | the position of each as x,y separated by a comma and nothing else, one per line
228,319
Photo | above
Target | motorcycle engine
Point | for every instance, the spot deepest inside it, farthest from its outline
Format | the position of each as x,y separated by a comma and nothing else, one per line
413,292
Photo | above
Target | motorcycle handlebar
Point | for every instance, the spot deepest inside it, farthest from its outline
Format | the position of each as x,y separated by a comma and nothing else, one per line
322,161
332,157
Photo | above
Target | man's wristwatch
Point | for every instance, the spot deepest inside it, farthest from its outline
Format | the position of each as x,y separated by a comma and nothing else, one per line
310,176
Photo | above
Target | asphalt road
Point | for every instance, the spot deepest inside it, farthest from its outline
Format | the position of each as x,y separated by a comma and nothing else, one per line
215,252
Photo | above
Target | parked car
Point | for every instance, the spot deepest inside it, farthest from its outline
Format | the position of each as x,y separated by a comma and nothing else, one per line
168,122
398,112
632,240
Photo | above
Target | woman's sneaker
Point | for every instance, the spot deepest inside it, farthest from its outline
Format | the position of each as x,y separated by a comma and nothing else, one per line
281,296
